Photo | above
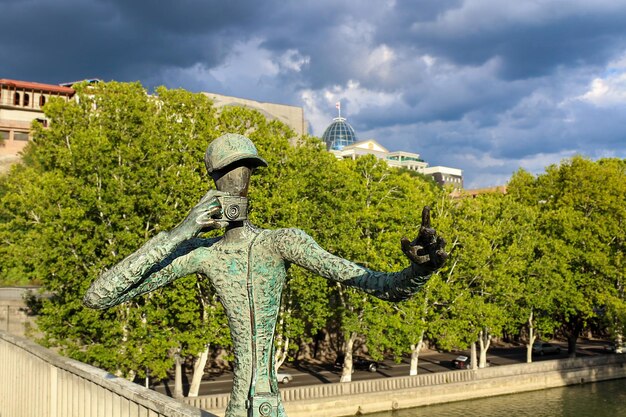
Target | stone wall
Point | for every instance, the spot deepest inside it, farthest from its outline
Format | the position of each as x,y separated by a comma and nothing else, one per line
15,316
346,399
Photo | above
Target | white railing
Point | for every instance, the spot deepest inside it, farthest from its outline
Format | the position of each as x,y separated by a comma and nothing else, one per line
36,382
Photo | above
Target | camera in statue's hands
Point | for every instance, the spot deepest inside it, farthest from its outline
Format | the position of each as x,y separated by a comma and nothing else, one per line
233,208
428,248
216,209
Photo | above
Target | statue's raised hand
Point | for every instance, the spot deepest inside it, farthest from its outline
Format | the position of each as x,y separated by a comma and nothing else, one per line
428,248
201,216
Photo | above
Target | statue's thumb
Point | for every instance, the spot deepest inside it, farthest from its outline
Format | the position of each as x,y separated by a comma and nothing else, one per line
405,244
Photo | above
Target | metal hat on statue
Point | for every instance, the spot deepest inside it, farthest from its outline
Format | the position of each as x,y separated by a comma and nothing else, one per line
230,148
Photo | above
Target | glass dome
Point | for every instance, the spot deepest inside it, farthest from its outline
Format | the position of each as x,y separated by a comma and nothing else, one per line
338,134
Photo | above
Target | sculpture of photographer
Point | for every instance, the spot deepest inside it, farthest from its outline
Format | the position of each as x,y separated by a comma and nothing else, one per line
247,267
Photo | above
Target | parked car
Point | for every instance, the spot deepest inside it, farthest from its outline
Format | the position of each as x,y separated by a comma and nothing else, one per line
461,362
543,348
464,362
614,347
284,377
358,362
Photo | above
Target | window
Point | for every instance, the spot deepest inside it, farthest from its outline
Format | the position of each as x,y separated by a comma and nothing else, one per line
44,122
16,99
23,136
26,99
4,136
42,100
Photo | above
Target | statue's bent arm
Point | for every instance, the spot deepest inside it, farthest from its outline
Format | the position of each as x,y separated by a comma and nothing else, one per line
158,262
299,248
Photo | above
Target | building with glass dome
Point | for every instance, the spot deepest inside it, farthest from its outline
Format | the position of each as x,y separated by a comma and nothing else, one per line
338,134
341,141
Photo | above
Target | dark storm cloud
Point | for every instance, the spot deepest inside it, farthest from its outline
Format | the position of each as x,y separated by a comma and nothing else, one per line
337,35
503,84
188,17
54,41
477,97
534,48
526,48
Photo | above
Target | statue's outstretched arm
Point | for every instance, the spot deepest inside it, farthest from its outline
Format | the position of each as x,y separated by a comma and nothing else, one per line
164,258
426,254
154,265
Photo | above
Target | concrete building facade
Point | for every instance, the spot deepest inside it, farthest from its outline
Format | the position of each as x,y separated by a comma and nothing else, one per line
445,175
21,103
292,116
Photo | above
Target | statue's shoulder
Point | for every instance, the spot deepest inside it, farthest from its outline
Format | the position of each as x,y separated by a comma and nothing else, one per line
289,233
289,239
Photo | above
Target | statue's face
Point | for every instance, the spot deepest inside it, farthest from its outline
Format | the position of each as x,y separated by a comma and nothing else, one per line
234,180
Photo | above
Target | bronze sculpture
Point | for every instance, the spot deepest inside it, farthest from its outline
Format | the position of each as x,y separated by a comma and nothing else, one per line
247,267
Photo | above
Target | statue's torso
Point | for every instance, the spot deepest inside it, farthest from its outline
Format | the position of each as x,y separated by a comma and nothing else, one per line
248,275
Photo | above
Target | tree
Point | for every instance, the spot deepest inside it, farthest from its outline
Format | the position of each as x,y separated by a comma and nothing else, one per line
115,167
581,223
491,243
382,205
535,303
298,192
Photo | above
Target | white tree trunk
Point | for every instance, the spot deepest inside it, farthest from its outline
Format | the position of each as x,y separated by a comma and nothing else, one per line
619,330
532,336
346,375
281,354
473,362
123,317
415,354
198,372
282,341
484,340
178,377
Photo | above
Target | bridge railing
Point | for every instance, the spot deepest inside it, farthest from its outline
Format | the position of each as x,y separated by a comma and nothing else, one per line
36,382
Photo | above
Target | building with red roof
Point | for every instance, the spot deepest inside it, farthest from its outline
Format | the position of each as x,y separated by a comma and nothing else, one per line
21,103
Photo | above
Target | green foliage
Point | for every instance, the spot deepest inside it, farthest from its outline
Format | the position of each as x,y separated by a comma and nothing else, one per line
374,209
582,211
118,166
478,284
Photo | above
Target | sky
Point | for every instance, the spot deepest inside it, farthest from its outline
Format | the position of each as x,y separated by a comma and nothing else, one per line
487,86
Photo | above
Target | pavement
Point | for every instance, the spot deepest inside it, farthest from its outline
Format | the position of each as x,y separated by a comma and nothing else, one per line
430,361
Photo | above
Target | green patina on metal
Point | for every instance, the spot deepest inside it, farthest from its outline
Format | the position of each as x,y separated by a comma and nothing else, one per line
248,266
231,148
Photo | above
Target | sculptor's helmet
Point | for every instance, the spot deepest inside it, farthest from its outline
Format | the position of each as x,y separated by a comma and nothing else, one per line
230,148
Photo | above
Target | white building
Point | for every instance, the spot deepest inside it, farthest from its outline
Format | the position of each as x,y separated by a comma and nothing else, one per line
401,159
341,141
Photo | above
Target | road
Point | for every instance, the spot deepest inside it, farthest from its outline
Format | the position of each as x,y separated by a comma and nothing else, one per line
429,362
